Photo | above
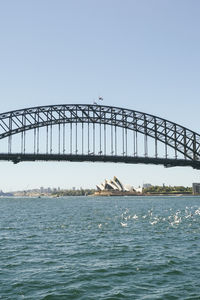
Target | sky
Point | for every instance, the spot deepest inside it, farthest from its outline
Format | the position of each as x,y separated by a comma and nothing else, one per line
142,55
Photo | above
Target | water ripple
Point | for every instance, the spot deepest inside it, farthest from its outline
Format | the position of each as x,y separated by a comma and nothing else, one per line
100,248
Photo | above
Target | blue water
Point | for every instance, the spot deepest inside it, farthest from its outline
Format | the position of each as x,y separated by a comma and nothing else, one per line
100,248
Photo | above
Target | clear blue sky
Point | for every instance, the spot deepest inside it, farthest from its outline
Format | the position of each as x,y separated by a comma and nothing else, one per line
140,54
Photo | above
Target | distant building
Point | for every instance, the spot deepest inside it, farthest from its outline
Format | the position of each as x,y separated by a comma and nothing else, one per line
146,185
138,189
129,187
112,185
5,194
196,188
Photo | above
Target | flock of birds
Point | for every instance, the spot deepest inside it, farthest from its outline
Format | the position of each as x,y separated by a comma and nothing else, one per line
173,219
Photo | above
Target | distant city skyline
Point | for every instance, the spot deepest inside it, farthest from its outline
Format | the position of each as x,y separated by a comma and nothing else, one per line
142,55
52,188
49,190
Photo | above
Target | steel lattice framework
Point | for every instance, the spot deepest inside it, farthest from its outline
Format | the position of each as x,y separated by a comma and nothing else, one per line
181,139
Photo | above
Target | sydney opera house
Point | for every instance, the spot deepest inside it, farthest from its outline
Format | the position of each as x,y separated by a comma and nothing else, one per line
114,187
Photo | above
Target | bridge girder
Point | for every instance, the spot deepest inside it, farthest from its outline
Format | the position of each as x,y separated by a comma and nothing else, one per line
181,139
168,163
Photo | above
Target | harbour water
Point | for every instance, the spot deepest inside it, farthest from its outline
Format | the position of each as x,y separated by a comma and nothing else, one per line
100,248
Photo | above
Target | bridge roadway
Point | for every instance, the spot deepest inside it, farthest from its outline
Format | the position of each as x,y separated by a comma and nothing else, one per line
167,162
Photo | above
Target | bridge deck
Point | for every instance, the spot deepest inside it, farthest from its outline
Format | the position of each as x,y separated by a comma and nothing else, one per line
18,157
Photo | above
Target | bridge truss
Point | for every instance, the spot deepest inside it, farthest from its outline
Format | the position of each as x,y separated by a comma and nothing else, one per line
82,132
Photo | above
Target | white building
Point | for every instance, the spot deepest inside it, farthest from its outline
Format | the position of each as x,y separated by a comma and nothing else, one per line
113,184
138,189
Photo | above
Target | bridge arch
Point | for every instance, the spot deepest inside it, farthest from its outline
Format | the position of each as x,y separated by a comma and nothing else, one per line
179,138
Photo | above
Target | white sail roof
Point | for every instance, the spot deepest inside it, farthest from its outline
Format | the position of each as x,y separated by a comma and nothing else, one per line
113,184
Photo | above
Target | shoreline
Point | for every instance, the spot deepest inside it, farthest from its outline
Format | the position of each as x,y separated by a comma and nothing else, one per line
116,193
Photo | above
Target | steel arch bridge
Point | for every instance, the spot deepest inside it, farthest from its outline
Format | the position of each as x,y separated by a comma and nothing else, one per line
84,132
